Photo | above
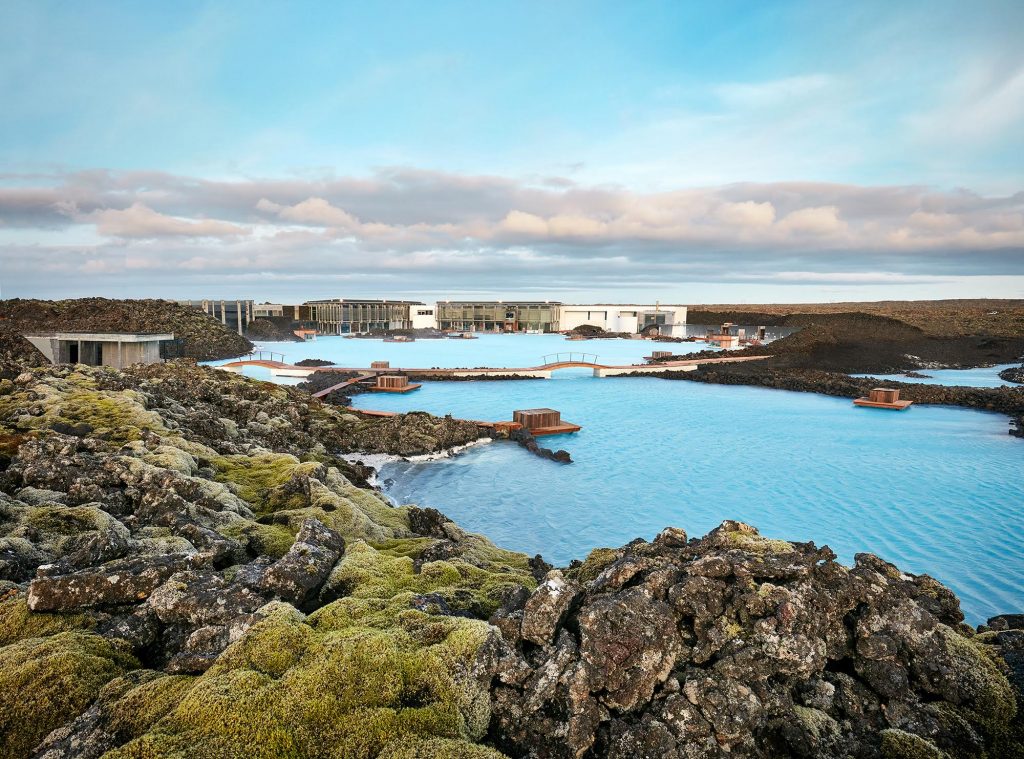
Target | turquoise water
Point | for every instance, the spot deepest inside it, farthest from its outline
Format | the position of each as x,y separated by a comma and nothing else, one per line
983,377
933,489
486,350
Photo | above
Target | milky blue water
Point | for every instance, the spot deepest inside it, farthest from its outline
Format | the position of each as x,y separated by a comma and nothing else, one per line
487,350
984,377
933,489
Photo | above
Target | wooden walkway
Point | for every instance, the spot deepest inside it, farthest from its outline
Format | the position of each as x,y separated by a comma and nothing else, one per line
542,370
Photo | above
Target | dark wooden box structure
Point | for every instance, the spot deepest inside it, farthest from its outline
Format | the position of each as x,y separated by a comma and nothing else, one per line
380,364
533,418
661,354
883,397
392,381
543,421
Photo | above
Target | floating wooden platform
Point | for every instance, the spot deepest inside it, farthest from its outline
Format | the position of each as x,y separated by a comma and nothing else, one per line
403,389
894,405
558,429
883,397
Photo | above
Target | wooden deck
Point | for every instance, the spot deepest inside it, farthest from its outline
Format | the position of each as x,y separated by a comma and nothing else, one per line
895,406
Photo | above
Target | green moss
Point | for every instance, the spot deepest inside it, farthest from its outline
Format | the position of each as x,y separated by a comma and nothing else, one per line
438,748
140,707
44,682
757,544
255,476
898,744
988,696
364,572
272,540
18,623
332,687
596,562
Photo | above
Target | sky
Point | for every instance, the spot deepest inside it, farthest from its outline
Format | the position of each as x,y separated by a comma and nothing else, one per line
681,151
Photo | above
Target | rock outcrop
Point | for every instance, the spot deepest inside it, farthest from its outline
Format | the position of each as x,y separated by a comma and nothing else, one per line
199,335
737,645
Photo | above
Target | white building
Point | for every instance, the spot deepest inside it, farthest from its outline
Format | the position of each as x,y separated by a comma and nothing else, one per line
632,318
423,315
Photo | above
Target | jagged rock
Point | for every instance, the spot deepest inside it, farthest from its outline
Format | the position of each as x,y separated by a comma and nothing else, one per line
546,608
119,582
307,564
735,644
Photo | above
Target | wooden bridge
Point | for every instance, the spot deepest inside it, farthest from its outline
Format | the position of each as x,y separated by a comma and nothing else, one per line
544,371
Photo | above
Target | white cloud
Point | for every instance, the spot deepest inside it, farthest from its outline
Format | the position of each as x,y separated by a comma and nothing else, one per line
141,221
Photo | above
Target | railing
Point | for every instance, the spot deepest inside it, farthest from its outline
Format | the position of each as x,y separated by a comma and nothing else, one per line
265,356
569,358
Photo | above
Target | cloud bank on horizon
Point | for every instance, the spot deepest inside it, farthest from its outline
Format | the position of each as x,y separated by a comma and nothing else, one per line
790,151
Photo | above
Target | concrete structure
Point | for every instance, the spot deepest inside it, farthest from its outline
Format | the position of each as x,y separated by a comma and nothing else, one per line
341,317
423,316
632,318
116,349
234,314
497,316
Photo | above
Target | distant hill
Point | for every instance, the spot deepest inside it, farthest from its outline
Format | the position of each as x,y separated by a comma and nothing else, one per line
202,336
945,318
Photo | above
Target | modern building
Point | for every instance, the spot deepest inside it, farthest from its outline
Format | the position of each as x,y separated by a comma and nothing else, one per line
116,349
498,316
340,316
233,314
632,318
424,316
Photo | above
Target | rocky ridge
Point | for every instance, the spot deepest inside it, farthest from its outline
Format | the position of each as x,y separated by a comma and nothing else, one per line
189,569
201,336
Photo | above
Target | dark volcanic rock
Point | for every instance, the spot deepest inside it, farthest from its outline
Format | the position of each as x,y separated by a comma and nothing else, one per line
1014,374
123,581
740,645
304,568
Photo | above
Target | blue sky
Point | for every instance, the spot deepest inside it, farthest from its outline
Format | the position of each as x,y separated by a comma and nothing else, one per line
597,148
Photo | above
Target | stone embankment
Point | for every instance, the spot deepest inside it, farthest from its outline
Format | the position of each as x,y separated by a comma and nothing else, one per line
189,568
1004,400
1014,374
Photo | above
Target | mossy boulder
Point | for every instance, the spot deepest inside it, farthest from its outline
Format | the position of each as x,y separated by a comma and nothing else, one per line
45,682
334,686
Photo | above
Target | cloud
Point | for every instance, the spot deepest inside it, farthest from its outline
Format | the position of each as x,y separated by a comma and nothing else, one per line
480,233
139,220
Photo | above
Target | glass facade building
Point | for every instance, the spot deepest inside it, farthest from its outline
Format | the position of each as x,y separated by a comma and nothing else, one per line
497,316
342,317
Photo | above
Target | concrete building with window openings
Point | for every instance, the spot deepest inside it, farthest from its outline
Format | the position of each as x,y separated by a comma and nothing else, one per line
498,316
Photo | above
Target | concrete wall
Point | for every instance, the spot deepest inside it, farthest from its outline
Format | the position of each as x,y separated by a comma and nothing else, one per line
420,317
97,352
622,318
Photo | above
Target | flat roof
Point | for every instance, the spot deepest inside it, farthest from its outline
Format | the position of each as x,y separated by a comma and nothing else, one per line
500,302
374,301
105,337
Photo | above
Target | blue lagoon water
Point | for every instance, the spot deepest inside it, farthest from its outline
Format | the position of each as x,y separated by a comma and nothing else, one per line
987,376
933,489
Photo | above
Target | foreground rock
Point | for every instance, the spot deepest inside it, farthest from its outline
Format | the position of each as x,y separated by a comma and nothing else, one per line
189,568
735,645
